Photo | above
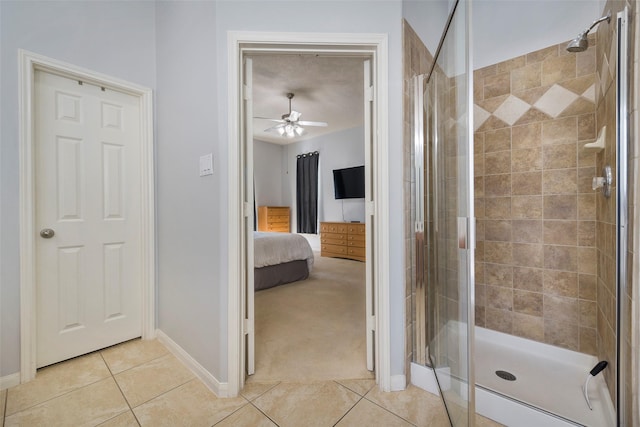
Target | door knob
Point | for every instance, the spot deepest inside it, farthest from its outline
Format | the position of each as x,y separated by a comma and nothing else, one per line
47,233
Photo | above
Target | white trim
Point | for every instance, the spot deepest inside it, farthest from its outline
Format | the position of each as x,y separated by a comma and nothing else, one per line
9,381
218,388
381,216
234,308
375,45
27,64
398,382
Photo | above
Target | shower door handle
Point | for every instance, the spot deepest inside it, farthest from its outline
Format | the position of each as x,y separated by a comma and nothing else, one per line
463,233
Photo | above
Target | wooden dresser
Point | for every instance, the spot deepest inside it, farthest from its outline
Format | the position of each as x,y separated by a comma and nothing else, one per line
343,240
274,218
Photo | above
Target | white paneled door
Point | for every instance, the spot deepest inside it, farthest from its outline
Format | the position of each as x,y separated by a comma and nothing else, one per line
88,215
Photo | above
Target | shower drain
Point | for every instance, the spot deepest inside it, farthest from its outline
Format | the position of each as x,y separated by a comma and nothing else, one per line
506,375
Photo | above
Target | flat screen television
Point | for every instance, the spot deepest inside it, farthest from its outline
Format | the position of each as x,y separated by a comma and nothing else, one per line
349,183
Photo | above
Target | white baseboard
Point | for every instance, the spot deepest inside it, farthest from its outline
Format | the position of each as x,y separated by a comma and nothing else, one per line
424,378
9,381
220,389
398,382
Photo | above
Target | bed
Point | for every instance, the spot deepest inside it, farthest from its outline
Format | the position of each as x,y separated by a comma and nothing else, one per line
280,258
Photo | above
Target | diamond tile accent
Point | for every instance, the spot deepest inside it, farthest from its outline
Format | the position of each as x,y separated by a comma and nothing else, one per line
579,84
480,115
555,100
590,93
511,110
492,104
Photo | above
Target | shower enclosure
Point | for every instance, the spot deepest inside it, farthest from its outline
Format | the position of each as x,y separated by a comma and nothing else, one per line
521,281
444,227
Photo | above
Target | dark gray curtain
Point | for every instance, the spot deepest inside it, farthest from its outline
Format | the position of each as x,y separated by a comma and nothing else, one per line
307,192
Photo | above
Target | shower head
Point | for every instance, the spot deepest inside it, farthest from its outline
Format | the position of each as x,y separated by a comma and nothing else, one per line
580,43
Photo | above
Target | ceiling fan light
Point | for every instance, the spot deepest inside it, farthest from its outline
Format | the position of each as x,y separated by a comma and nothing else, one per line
290,126
289,131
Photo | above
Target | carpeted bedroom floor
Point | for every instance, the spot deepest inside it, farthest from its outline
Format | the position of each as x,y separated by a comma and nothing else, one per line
313,329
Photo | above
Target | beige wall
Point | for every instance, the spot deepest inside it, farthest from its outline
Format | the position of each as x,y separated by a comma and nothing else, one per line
536,255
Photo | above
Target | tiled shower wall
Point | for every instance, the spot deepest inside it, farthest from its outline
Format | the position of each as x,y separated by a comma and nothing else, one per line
535,209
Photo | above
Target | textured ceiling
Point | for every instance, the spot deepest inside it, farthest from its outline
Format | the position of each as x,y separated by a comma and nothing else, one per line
327,89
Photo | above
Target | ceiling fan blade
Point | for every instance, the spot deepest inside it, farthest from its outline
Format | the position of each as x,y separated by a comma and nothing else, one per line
294,116
305,123
271,120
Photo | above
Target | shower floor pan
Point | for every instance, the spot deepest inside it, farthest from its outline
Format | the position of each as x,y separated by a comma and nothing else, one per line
546,391
547,378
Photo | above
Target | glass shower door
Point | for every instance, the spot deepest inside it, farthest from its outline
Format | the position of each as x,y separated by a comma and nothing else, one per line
449,157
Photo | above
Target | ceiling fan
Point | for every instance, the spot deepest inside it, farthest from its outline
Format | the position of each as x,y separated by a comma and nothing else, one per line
290,124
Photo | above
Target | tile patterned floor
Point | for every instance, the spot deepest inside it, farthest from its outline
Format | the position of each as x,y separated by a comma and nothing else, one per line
139,383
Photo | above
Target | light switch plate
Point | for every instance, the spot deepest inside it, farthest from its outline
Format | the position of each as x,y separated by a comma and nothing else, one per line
206,164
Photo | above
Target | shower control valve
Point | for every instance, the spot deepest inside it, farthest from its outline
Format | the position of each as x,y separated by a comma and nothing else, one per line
603,181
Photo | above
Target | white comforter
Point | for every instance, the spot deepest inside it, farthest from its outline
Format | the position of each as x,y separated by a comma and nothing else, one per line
278,248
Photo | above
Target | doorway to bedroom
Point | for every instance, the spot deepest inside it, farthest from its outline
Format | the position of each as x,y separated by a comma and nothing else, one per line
308,168
373,49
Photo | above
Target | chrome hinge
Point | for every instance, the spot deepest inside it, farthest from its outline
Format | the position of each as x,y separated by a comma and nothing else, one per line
371,323
247,327
370,208
369,93
246,92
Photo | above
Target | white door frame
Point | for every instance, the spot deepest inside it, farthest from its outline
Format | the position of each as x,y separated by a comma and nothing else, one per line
28,63
376,46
